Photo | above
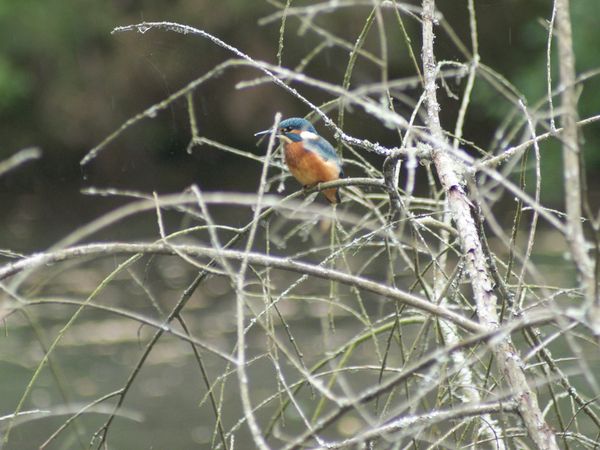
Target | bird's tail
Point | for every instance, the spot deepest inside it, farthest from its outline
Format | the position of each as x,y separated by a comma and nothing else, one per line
332,195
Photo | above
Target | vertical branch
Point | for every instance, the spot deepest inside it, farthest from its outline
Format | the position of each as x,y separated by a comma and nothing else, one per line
549,67
282,32
240,279
473,67
534,220
469,392
452,180
488,429
571,158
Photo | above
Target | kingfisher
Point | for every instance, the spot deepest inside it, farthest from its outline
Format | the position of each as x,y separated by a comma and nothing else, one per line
309,157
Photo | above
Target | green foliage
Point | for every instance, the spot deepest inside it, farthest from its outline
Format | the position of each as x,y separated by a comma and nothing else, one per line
528,73
15,85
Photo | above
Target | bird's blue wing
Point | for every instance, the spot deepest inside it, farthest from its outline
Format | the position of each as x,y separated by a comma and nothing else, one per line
323,148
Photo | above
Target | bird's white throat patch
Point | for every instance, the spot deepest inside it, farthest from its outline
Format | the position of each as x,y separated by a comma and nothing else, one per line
308,135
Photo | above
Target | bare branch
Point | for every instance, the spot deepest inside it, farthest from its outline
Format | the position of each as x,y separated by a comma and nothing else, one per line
481,281
571,161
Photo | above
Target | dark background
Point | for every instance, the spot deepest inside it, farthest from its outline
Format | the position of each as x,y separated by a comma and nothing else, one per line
66,83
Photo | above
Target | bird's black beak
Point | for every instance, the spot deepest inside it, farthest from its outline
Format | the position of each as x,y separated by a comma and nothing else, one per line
261,133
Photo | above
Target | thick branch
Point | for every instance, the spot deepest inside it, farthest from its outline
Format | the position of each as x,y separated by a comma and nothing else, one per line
450,175
571,158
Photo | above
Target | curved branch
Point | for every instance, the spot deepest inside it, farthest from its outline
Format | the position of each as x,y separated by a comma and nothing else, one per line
111,249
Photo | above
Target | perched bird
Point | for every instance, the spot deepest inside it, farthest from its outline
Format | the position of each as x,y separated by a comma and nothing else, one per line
310,158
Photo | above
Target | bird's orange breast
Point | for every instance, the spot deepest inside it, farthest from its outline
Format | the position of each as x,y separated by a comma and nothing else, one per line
309,168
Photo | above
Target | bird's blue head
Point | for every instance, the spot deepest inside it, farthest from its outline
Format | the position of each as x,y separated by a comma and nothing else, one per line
296,124
292,128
